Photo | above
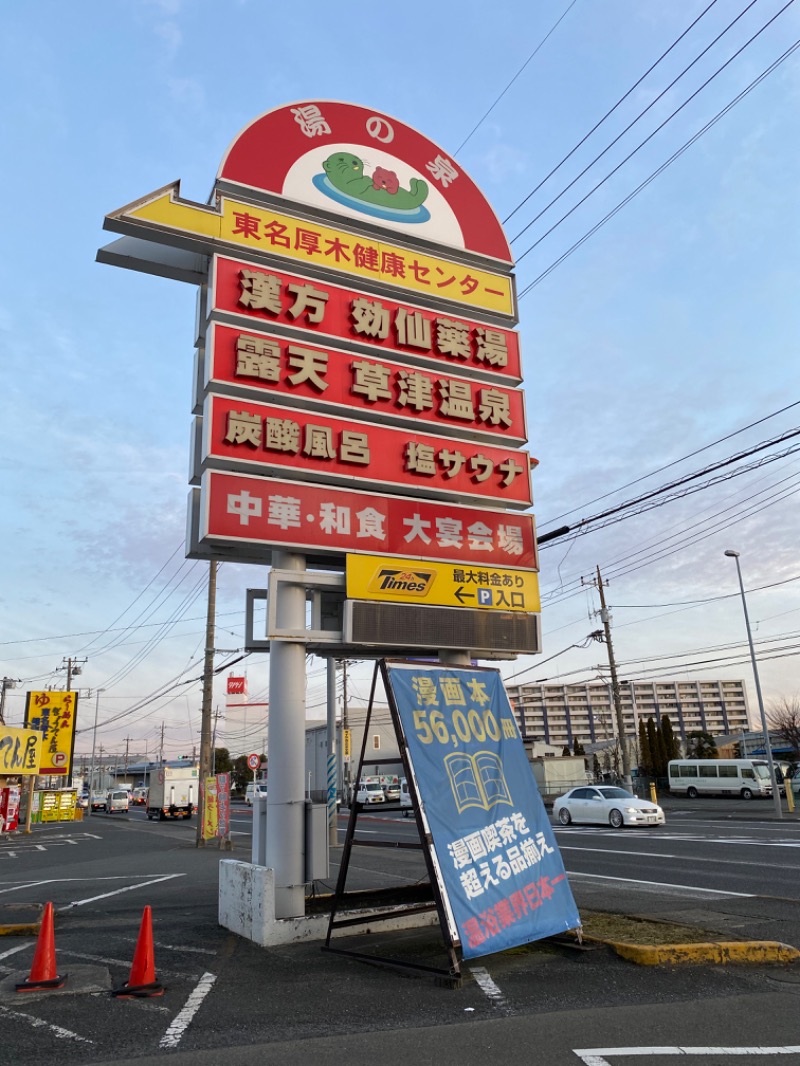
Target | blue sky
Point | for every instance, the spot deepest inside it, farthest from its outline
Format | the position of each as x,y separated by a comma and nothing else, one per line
673,326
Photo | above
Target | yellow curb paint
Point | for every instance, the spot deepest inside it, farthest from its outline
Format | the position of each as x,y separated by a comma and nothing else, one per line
722,953
28,929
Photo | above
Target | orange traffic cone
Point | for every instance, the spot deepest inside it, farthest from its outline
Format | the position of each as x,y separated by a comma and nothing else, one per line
43,971
142,980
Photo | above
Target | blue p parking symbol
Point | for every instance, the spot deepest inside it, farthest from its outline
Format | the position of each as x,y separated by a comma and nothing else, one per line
485,597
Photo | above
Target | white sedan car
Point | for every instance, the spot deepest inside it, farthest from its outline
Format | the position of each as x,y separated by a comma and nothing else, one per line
606,805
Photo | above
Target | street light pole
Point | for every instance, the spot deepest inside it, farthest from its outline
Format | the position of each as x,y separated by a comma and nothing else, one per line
776,796
94,742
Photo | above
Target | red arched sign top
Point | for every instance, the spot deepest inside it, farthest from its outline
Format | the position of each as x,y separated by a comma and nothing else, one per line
363,164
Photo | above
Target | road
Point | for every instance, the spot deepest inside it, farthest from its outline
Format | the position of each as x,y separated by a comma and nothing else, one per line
227,1000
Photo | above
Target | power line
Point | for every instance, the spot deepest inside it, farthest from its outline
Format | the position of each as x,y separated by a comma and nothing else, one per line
641,114
608,115
675,462
524,65
676,155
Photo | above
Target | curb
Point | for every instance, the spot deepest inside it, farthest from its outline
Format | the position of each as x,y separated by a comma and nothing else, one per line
22,928
722,953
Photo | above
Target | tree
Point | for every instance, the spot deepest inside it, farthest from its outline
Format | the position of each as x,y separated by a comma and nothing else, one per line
660,757
565,750
223,764
645,758
701,745
577,749
783,718
655,749
671,749
241,774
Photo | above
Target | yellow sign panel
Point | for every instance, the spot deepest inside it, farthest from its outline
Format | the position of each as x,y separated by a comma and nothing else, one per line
346,743
377,577
52,714
210,809
262,230
20,751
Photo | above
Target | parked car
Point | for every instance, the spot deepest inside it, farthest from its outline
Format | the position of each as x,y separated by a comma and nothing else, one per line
370,792
606,805
116,800
259,788
391,791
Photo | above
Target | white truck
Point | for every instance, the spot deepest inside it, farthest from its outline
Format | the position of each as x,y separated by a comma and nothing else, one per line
173,792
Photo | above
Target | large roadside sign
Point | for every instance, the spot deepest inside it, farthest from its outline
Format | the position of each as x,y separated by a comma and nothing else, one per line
52,714
358,370
497,863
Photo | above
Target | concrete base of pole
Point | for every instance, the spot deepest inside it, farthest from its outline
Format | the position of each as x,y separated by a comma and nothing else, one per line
247,908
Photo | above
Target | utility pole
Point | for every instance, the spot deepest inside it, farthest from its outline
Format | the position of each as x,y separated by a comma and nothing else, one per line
605,618
208,693
7,683
127,748
73,669
161,747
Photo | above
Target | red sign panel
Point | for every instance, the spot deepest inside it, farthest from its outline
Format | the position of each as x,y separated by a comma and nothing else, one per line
274,297
236,686
307,517
267,440
276,152
306,375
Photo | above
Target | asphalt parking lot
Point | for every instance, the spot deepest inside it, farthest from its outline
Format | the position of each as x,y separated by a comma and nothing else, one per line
224,995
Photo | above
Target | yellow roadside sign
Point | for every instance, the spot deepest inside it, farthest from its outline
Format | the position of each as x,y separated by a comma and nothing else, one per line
20,750
377,577
259,229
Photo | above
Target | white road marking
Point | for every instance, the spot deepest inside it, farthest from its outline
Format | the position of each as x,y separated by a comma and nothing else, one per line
38,1023
69,880
488,987
13,951
171,947
124,963
664,884
682,858
180,1023
117,891
599,1056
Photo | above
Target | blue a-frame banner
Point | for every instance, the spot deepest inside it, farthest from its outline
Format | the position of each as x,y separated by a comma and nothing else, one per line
494,846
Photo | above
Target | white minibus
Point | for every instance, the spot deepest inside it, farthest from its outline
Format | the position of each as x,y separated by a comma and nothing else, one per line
720,777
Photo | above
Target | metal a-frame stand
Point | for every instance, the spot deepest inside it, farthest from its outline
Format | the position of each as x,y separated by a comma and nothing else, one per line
449,977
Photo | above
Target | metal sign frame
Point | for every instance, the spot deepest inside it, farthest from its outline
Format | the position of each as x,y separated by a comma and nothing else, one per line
451,976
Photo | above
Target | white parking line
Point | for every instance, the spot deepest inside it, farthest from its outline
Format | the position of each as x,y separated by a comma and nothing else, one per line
181,1021
599,1056
39,1023
13,951
118,891
69,880
488,987
663,884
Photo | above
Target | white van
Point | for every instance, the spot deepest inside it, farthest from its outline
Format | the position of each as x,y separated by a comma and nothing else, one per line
720,777
370,791
258,788
116,800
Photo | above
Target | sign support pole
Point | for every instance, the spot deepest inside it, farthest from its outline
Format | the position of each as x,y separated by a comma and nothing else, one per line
285,795
333,833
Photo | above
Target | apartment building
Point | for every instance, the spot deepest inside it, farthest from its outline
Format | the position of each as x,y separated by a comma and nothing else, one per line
560,714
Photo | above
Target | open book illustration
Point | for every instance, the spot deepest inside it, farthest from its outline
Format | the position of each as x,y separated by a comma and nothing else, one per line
477,780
